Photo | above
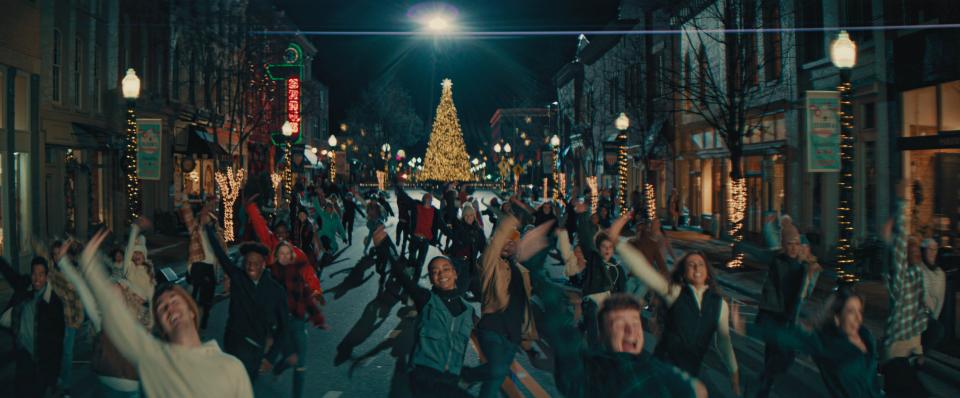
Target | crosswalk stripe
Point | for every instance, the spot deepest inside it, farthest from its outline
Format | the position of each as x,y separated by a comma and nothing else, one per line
333,394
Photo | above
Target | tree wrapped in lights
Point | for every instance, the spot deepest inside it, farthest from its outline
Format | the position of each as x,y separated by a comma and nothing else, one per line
446,158
275,180
231,183
622,171
736,208
651,193
594,195
134,200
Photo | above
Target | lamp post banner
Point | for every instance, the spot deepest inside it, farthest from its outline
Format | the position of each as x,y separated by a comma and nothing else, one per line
149,148
823,131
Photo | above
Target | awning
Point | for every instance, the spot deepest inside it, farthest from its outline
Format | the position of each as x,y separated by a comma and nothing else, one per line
89,136
201,142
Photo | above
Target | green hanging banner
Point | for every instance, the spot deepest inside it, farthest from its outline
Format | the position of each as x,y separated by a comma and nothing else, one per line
149,148
823,131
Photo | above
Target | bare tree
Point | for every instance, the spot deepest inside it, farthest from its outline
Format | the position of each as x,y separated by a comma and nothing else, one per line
226,81
725,82
386,114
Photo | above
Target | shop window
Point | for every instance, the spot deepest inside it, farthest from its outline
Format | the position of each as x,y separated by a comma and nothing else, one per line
950,106
21,164
920,112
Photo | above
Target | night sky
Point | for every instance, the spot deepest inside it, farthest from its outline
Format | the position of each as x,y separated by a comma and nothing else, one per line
488,73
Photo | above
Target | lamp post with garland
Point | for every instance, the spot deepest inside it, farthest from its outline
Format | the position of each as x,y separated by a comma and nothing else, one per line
130,86
622,124
843,55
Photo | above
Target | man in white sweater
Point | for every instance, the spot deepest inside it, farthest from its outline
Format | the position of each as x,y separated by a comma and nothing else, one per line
180,365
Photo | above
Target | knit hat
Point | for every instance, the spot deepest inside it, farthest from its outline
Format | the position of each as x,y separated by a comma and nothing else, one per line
140,245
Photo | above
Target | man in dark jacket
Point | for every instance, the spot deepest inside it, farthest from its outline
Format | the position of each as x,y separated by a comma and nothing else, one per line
35,316
258,315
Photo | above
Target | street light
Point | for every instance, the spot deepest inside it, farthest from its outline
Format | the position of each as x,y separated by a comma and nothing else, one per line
843,55
497,148
506,148
622,123
287,129
130,85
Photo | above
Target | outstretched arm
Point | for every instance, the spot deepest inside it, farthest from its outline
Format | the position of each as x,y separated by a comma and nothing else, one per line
83,291
259,224
641,268
129,337
128,253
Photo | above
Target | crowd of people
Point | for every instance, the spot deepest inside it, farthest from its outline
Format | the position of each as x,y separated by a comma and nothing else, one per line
495,289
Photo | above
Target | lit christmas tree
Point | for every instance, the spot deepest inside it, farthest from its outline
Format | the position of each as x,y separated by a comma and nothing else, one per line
446,158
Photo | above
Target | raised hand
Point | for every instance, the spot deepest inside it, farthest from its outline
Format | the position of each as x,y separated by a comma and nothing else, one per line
251,199
144,223
617,226
64,249
90,250
533,241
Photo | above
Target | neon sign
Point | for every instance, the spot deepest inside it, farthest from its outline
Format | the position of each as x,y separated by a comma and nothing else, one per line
293,103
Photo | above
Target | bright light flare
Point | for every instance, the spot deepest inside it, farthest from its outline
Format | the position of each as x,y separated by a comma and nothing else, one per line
435,17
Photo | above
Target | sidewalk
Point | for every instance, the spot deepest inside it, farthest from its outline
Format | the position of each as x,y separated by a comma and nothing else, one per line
745,284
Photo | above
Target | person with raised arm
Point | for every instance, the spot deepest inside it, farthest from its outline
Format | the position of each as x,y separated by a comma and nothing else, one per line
271,240
844,350
507,322
258,315
697,315
177,364
444,323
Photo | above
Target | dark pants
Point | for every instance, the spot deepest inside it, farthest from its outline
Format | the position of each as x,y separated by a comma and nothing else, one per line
31,380
499,352
427,384
250,355
403,235
348,226
932,336
776,359
900,379
419,246
589,309
204,281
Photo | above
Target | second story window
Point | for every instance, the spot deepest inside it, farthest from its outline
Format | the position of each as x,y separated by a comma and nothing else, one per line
78,73
55,74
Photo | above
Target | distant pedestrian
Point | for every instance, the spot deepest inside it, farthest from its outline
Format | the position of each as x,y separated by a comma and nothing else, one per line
673,205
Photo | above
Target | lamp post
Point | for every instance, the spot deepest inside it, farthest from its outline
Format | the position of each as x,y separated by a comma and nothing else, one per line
555,145
386,159
287,131
131,91
622,124
332,141
843,55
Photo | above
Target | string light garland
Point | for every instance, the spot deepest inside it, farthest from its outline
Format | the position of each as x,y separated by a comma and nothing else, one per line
651,194
563,185
622,169
546,189
288,173
230,183
594,195
446,159
275,180
556,173
134,198
333,166
736,208
844,210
